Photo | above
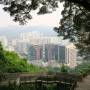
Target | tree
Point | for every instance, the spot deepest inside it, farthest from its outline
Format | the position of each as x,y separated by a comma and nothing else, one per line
64,69
84,3
75,25
21,9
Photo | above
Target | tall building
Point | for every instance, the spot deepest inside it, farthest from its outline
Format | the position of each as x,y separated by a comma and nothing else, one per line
48,52
62,54
67,54
71,55
21,48
30,36
34,52
43,52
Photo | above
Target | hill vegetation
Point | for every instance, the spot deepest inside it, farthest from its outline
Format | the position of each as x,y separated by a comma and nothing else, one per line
11,62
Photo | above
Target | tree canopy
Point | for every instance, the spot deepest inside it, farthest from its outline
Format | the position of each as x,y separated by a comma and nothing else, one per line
75,25
84,3
21,9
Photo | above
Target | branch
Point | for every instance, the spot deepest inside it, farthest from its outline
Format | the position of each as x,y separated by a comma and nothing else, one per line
84,3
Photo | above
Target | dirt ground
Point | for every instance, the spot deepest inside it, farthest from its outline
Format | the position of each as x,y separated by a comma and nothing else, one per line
84,85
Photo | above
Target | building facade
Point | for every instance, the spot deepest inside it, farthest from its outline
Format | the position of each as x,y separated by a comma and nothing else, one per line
48,52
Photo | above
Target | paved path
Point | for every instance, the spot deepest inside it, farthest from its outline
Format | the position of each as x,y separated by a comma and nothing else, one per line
84,85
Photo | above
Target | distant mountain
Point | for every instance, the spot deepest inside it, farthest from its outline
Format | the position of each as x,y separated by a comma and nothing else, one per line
13,32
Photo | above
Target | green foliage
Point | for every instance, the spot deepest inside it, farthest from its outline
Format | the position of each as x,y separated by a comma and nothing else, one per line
82,69
35,87
64,69
53,70
2,57
13,63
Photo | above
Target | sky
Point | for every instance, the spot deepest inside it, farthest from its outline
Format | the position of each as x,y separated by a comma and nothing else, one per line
43,21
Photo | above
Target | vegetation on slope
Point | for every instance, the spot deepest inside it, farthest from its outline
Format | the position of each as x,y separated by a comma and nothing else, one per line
11,62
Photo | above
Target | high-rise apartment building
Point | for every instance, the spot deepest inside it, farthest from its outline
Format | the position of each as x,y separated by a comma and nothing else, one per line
34,52
67,54
71,55
48,52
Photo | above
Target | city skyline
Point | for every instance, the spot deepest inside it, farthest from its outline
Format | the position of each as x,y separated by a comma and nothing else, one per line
13,32
37,47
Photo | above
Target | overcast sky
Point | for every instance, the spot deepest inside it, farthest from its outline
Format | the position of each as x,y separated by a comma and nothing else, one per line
38,20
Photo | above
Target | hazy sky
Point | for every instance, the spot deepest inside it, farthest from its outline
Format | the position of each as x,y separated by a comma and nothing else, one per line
38,20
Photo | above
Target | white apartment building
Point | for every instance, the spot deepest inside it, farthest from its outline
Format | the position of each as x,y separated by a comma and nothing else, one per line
71,55
55,40
67,54
30,35
39,38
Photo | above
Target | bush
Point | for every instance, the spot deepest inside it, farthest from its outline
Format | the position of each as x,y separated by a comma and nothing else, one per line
64,69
